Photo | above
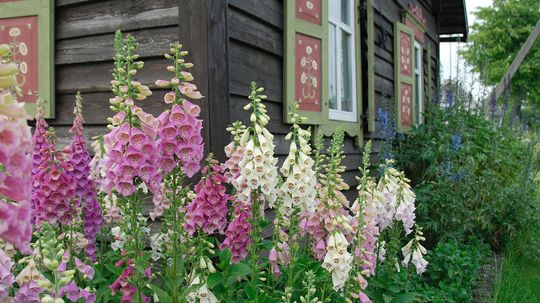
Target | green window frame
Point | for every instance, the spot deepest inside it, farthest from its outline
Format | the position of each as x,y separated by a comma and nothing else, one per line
44,10
294,25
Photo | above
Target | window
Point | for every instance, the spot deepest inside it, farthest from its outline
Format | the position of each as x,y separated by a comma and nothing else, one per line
418,101
342,70
322,64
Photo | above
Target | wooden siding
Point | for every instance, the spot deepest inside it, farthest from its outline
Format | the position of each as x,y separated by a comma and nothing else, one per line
256,53
234,42
84,33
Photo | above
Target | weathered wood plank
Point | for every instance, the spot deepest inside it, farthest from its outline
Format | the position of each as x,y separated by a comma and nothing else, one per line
270,11
218,76
96,107
108,16
384,68
275,111
194,37
96,77
152,42
384,86
251,31
64,137
248,64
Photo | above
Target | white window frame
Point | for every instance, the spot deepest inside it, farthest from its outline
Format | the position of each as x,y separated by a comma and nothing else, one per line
338,114
418,71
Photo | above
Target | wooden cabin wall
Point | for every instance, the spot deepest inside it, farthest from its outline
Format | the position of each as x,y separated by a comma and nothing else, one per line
386,13
84,37
256,54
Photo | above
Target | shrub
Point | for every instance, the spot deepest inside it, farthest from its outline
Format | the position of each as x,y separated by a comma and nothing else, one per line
471,178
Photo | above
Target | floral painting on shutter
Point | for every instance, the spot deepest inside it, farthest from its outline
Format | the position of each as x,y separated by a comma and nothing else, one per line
308,73
404,60
28,27
21,34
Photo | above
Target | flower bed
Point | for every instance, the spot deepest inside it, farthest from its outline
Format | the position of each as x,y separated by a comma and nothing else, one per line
91,241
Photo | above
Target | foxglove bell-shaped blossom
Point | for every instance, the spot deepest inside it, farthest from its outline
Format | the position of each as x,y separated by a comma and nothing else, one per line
208,211
85,190
179,129
201,294
338,261
237,235
15,160
299,189
414,252
396,200
258,170
55,187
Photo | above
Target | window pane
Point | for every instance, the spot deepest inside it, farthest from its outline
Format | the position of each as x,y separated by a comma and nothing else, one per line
417,97
346,73
332,67
345,12
416,57
334,6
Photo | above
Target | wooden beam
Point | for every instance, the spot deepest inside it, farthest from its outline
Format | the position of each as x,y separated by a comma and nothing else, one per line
501,87
204,33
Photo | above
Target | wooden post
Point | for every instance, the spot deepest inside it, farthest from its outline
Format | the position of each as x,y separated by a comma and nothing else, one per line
502,86
203,32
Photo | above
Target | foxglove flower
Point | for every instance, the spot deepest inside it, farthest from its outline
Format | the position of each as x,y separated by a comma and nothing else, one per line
130,146
299,189
201,294
54,188
123,284
85,190
398,202
180,140
208,211
414,252
258,166
338,261
15,160
28,293
6,276
237,235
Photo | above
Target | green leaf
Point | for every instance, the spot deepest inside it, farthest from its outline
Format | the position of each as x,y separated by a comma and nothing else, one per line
405,298
215,279
240,270
162,295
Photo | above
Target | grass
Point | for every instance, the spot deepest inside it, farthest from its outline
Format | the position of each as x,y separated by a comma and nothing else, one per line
519,280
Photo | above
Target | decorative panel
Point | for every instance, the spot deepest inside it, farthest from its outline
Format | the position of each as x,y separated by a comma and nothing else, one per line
405,53
27,26
308,74
21,34
403,78
309,10
406,105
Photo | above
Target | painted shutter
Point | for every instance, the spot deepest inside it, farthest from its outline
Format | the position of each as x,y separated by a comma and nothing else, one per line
27,25
404,76
305,78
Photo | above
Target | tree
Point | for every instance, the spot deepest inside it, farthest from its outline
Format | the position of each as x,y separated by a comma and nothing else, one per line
496,39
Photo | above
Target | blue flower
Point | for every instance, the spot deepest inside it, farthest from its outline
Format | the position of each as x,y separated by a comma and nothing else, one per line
450,98
456,142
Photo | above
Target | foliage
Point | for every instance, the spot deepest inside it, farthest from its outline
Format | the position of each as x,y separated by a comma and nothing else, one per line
453,271
496,38
471,178
518,281
452,274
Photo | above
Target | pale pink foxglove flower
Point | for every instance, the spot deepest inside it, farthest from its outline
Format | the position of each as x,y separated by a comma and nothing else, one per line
338,261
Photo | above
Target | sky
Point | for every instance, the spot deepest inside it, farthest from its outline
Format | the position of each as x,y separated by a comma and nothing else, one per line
449,57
